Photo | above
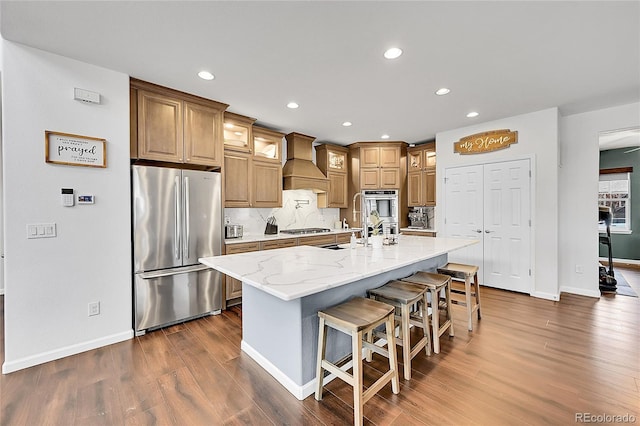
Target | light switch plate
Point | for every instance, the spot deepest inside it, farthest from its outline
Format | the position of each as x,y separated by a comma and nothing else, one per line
41,230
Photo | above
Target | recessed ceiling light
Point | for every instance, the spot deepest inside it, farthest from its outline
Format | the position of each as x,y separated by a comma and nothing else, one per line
472,114
393,53
384,137
292,105
205,75
442,91
347,124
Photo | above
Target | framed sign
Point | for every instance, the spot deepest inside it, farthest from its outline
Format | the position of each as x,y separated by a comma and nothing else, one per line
75,150
486,142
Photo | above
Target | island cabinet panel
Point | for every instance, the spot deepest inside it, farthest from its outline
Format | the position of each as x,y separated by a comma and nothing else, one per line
174,127
159,127
237,178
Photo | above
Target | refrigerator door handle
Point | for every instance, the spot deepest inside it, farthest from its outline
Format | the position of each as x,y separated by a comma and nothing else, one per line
178,218
187,216
174,271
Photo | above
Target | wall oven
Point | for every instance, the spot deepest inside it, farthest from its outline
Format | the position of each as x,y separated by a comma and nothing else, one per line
385,202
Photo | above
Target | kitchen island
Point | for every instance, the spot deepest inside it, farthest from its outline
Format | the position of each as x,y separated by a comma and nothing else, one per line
283,290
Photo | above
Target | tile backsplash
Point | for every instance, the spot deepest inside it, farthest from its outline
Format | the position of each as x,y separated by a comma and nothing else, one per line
299,210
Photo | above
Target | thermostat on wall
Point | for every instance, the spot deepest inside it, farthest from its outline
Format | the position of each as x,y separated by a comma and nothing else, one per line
86,199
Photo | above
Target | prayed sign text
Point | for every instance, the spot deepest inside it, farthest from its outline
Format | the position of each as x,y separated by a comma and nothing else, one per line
486,142
75,150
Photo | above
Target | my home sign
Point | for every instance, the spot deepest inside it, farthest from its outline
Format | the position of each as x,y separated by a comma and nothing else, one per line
486,142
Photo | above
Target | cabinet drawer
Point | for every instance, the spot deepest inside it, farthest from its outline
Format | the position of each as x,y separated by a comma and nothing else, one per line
319,240
343,238
242,247
276,244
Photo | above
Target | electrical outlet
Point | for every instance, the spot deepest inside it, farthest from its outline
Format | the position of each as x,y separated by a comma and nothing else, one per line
94,309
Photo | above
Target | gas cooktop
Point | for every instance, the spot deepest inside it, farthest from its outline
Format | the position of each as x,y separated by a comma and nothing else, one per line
305,231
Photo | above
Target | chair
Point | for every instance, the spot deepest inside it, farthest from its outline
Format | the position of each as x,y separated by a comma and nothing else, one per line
357,317
462,272
435,283
403,296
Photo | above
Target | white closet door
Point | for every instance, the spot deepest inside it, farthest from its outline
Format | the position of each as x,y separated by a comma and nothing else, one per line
491,203
506,225
464,212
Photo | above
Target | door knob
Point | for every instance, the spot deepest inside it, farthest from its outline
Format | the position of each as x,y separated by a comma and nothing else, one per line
479,231
487,231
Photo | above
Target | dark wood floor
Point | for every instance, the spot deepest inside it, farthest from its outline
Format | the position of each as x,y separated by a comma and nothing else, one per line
529,361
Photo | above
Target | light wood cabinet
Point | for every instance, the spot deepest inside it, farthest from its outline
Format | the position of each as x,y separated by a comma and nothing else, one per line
174,127
233,287
317,240
266,190
421,181
276,244
237,178
202,135
159,127
238,132
376,165
267,145
332,161
252,178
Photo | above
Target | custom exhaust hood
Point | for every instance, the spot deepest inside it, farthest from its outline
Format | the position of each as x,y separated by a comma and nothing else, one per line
299,172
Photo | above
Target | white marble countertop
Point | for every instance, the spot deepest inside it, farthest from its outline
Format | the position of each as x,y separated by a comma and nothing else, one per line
251,238
294,272
418,229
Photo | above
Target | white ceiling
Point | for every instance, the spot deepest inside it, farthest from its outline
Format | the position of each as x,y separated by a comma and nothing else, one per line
498,58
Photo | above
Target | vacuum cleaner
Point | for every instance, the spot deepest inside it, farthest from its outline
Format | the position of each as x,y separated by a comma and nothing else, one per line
607,278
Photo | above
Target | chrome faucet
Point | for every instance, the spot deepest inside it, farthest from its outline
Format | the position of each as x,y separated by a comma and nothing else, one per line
363,218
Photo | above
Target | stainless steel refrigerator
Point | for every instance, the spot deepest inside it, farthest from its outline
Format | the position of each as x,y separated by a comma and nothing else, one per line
177,218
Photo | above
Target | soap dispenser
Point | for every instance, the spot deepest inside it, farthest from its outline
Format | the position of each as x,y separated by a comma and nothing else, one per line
352,241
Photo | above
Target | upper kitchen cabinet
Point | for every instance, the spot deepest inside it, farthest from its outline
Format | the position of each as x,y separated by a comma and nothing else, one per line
378,164
238,134
252,173
421,182
175,127
332,161
267,145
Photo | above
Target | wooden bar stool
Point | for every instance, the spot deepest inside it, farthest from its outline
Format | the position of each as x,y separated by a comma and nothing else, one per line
435,283
403,295
358,317
462,272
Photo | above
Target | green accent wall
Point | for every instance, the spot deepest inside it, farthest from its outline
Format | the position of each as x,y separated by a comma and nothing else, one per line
625,246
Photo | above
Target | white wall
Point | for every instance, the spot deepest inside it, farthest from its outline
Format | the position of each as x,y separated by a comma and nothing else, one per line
578,180
49,282
537,139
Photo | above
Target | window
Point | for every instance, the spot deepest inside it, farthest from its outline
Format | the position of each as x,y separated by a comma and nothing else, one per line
615,192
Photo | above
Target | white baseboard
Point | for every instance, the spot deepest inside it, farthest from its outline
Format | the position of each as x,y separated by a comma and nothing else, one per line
580,291
299,391
30,361
548,296
629,261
